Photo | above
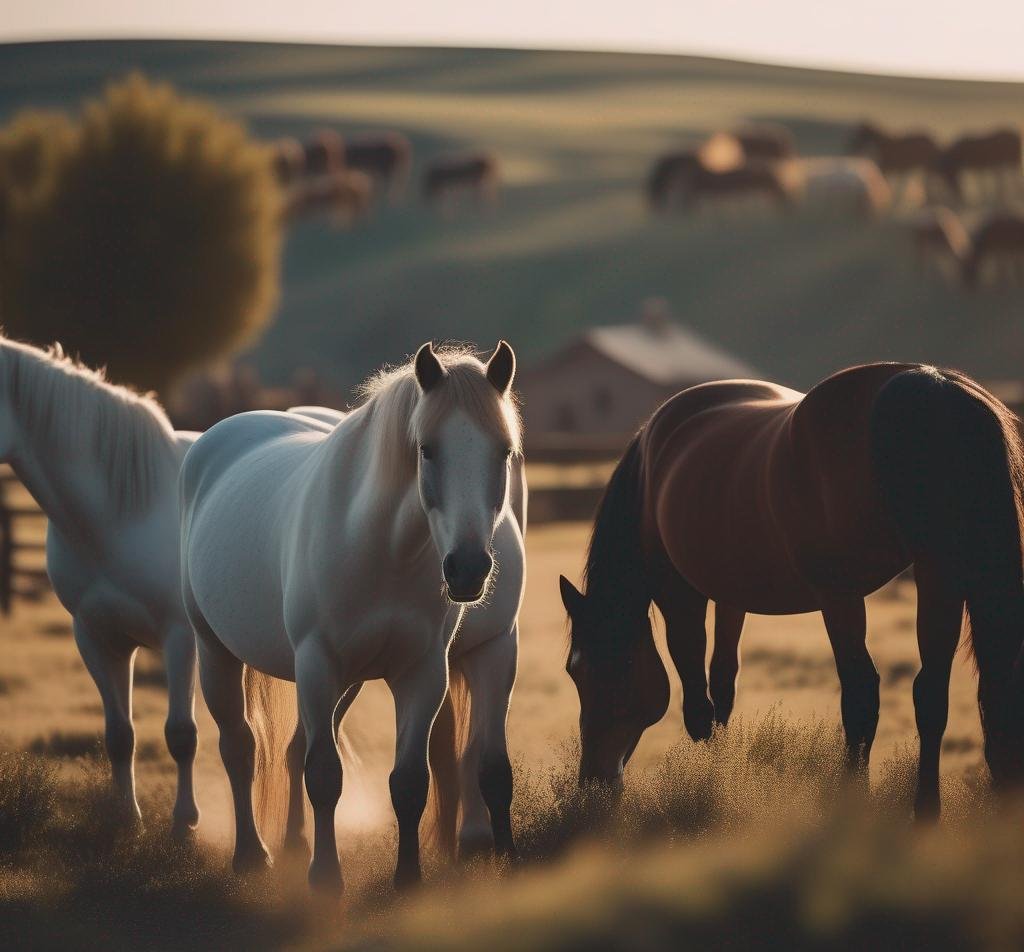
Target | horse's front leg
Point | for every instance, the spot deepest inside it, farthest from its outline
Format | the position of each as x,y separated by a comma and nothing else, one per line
685,611
485,771
110,660
180,729
418,692
319,685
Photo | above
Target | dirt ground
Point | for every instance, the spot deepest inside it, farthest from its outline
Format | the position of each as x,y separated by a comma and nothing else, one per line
49,705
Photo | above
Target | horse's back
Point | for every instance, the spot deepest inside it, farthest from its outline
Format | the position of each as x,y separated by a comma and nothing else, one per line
766,497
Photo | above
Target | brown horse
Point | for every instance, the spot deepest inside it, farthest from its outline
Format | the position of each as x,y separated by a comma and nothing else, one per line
477,173
753,179
895,154
941,241
385,157
671,175
766,500
766,142
289,159
996,246
343,194
995,157
325,153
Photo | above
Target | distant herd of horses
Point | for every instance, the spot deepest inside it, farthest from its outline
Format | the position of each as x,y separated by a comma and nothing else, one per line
881,170
330,548
329,173
877,174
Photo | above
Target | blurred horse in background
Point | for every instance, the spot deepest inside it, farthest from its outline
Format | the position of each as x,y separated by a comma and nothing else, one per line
766,142
324,153
992,160
386,157
102,462
330,555
900,156
840,185
763,499
941,242
477,174
997,251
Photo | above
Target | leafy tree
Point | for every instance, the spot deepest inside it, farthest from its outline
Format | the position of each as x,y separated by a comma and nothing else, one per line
144,237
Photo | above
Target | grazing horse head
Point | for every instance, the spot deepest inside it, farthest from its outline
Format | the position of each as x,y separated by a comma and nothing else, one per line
466,427
621,681
618,673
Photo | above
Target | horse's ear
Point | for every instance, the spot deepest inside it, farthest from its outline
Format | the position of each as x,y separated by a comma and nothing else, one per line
572,597
429,371
501,368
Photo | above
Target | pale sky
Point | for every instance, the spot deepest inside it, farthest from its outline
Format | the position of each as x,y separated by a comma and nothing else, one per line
962,38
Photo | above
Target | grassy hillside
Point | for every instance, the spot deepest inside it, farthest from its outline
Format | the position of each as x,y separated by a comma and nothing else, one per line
572,244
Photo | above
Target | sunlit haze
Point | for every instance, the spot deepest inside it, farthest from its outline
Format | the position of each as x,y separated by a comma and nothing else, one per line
983,39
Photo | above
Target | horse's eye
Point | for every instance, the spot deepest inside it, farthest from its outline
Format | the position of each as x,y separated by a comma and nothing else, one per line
426,452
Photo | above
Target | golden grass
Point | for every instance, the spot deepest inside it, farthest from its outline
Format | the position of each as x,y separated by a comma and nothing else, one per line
754,838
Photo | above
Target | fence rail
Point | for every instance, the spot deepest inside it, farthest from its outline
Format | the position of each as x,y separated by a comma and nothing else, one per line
22,544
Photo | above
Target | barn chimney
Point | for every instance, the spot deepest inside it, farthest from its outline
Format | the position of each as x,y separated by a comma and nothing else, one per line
656,316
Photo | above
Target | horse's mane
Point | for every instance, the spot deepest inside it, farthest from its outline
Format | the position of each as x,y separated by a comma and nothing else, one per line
392,397
63,404
615,576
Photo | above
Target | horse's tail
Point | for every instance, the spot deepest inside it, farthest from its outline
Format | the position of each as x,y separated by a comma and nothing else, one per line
448,738
270,709
950,461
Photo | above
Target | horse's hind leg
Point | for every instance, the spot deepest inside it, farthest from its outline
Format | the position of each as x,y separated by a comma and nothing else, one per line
221,675
485,770
846,624
180,729
418,692
725,660
110,662
685,612
940,609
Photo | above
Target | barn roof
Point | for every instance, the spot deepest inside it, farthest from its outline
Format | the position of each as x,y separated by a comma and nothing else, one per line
664,352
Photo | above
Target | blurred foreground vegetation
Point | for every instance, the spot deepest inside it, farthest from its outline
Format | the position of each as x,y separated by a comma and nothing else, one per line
754,840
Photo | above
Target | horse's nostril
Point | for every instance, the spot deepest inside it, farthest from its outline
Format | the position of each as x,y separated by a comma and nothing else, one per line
448,566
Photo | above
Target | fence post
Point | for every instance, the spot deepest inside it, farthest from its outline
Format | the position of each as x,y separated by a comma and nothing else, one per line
6,558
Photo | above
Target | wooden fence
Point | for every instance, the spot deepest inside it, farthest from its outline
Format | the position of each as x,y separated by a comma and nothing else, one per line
22,544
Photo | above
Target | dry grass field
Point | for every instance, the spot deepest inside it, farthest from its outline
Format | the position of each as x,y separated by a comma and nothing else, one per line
668,855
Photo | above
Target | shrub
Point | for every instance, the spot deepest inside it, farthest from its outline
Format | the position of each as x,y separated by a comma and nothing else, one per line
145,237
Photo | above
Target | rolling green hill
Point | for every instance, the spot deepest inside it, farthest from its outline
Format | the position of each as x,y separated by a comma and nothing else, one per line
571,244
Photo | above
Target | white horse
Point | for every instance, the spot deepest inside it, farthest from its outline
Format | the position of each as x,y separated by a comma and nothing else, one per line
102,462
334,556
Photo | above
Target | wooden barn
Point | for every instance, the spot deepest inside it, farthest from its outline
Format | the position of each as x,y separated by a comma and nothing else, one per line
588,398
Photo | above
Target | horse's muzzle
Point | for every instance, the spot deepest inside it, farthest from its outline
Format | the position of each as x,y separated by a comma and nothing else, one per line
465,574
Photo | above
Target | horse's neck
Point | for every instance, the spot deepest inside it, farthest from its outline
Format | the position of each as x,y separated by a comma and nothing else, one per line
69,490
71,485
356,476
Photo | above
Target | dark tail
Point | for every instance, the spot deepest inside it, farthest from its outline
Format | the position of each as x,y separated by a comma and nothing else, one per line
616,547
950,460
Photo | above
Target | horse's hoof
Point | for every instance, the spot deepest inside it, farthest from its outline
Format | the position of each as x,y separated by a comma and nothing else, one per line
407,878
183,831
251,861
325,879
296,847
475,847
